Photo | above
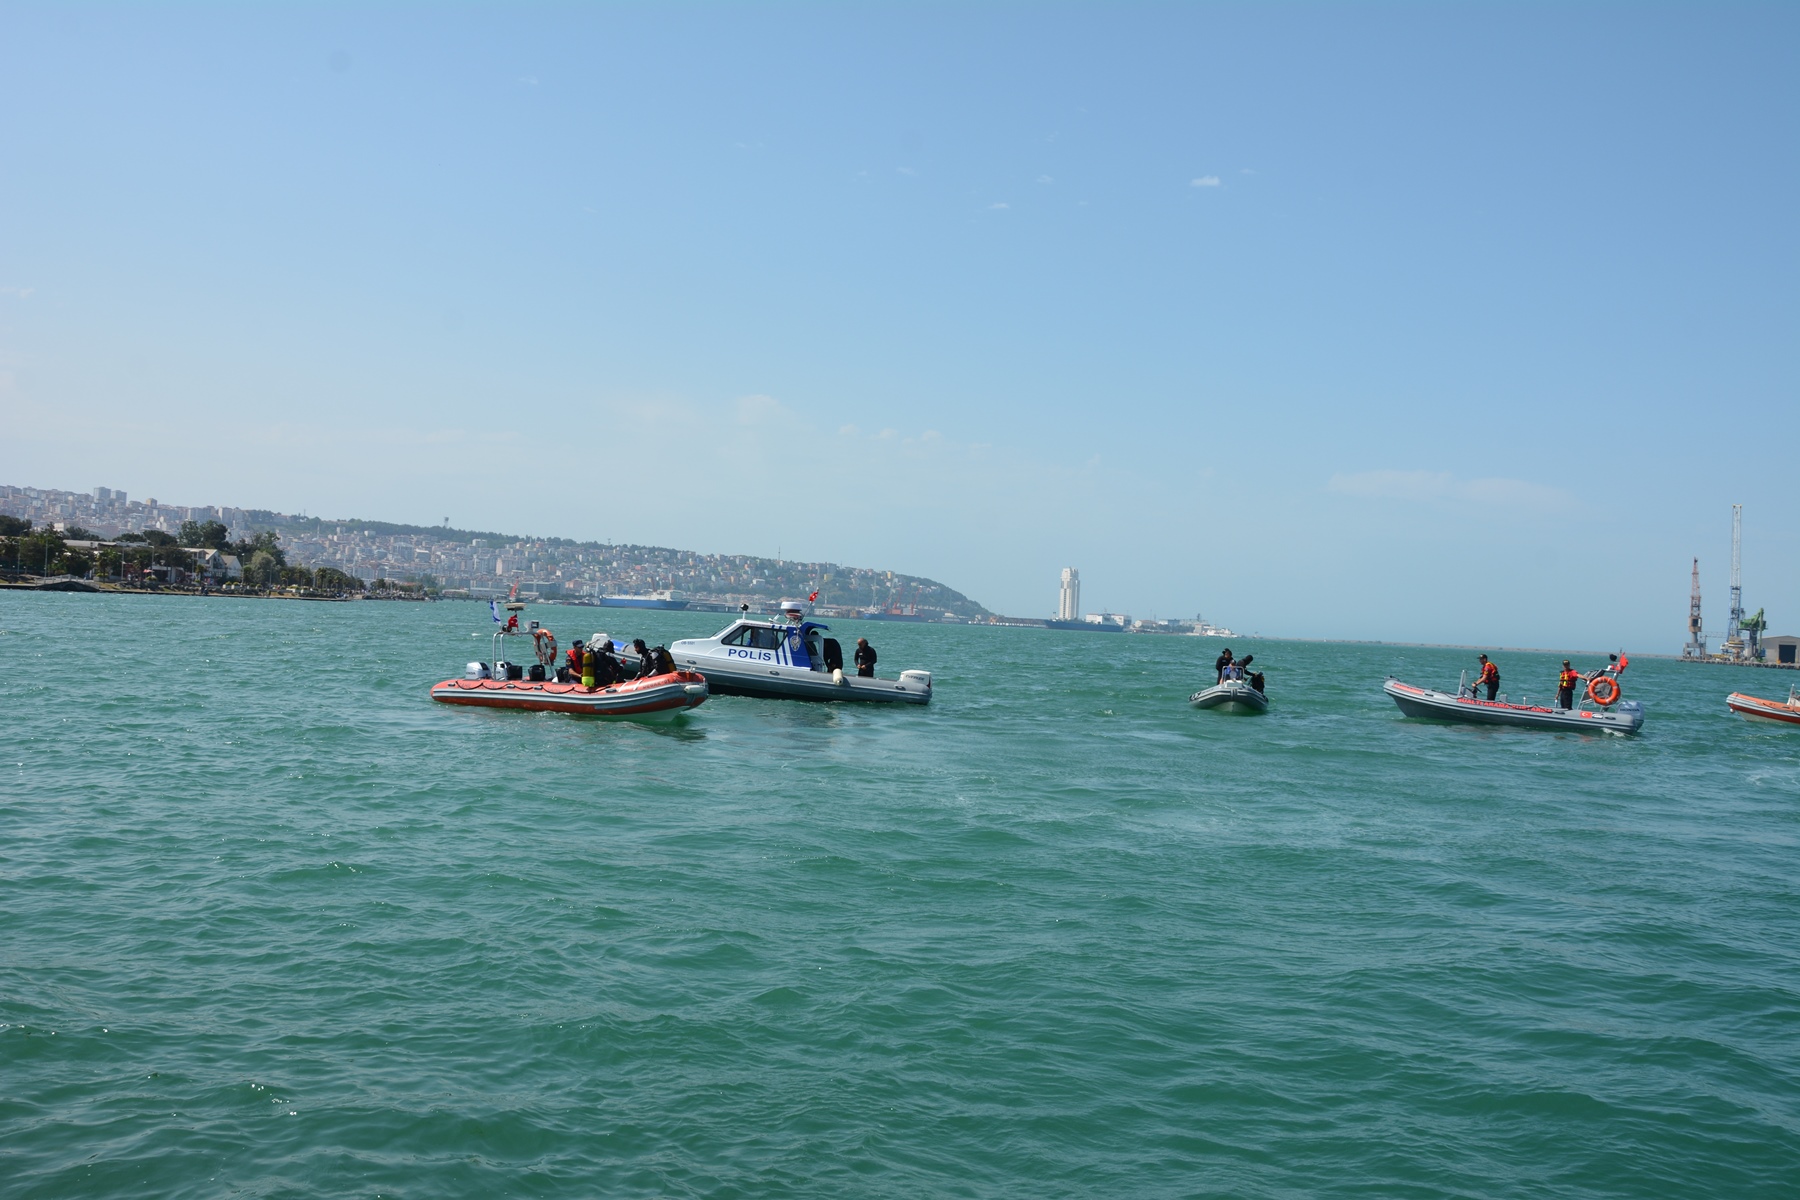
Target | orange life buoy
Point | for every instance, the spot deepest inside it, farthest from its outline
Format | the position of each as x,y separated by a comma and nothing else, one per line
1603,690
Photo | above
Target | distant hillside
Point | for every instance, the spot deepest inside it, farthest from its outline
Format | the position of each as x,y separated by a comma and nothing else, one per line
486,561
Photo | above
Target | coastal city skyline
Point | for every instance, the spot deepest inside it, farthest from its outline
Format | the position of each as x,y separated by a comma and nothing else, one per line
497,564
456,562
1242,326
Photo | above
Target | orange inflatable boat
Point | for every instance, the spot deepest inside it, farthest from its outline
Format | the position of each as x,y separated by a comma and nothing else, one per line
654,696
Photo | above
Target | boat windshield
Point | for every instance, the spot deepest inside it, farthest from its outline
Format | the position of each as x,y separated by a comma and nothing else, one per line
756,637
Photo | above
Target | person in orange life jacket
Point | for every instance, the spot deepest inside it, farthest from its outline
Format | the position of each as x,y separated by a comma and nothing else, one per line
1566,680
572,662
1490,675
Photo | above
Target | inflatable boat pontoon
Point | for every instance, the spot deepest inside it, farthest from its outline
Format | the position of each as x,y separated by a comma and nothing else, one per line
1627,716
1232,696
1787,711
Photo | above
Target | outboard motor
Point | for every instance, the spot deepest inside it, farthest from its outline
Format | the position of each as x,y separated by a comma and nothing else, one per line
477,670
919,677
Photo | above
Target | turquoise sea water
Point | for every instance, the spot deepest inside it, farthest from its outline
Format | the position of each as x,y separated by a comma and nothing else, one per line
274,924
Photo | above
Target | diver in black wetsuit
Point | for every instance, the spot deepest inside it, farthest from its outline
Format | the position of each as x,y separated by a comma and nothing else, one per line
1220,663
606,667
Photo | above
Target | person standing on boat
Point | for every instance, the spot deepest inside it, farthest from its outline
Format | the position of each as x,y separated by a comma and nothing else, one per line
1566,680
1222,664
865,658
1490,675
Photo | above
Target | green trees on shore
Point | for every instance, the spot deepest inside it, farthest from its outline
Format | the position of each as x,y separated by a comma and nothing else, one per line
133,556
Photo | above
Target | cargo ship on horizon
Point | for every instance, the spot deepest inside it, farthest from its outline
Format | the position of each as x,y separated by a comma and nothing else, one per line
662,600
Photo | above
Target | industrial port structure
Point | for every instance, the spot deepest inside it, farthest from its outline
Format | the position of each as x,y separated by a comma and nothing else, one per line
1743,634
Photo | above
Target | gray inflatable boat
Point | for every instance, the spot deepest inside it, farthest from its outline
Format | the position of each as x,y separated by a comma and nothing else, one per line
1234,695
1627,716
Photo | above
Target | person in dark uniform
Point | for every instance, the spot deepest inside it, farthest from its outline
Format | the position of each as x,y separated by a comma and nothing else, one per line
1220,664
606,668
865,658
646,661
1490,676
1565,685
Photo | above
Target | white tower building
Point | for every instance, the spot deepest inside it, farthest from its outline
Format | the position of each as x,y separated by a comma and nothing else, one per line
1068,606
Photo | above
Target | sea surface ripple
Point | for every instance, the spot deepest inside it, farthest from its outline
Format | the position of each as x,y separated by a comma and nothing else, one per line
277,925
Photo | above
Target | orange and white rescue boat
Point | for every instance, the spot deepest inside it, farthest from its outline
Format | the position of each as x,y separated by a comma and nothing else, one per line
548,689
656,695
1787,711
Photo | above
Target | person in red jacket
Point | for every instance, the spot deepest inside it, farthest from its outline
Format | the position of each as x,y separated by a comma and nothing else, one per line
1490,675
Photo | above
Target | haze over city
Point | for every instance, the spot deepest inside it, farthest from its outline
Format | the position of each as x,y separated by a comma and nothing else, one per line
1461,324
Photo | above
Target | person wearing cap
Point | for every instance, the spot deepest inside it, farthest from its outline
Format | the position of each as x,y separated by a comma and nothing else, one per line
1490,675
865,658
572,661
1565,685
1221,664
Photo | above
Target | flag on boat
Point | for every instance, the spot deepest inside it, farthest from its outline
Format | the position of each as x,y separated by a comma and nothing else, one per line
494,607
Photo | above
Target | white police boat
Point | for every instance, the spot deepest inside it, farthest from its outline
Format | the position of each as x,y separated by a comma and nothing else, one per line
788,659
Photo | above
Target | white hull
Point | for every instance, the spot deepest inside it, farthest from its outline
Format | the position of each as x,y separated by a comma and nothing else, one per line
1787,712
727,678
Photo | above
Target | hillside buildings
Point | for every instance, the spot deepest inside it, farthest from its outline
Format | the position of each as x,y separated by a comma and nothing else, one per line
490,564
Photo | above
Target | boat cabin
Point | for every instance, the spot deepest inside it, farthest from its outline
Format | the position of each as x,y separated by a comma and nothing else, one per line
783,645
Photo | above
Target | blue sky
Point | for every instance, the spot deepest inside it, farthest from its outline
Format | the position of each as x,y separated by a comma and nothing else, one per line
1423,322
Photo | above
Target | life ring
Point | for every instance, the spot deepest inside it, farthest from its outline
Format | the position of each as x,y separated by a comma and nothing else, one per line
545,642
1603,690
